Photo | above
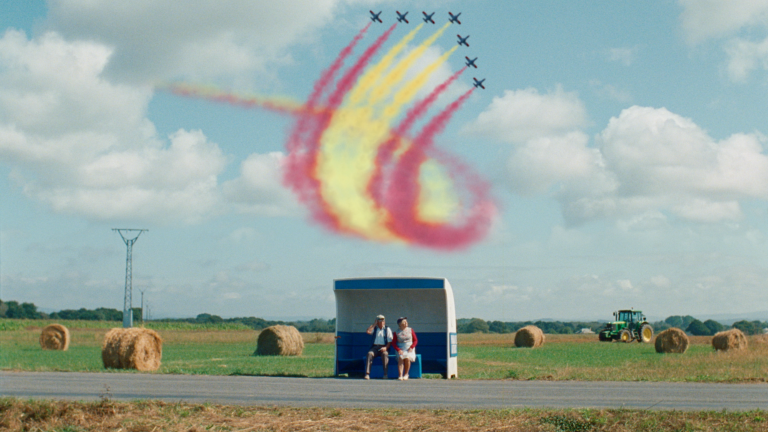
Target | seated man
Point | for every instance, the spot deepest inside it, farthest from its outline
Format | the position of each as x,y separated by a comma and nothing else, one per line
381,337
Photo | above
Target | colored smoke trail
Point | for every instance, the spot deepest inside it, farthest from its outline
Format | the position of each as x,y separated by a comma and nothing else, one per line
360,174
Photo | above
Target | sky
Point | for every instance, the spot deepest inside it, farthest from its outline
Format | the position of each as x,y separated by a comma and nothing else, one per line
622,146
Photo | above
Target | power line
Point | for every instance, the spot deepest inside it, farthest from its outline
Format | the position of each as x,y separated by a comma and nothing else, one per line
127,300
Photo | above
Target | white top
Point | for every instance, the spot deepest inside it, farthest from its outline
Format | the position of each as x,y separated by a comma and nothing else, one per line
379,340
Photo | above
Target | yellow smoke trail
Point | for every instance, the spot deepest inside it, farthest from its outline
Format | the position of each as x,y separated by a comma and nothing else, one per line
408,92
396,74
350,143
369,78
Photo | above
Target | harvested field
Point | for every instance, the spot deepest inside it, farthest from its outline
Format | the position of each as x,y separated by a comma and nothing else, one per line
149,415
481,356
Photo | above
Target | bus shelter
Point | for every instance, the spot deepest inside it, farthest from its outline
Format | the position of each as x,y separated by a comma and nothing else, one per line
428,304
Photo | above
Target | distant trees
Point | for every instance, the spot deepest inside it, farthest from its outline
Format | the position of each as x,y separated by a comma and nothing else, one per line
13,309
713,326
749,327
697,328
475,325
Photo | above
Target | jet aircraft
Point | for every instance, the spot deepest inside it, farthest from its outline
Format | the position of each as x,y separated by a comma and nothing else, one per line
401,17
454,19
471,62
463,41
479,83
375,16
428,18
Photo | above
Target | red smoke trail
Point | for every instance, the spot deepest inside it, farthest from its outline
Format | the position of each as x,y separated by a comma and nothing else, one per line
403,195
301,173
300,155
385,152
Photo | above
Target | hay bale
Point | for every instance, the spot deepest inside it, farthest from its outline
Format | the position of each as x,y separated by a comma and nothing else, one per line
728,340
672,340
132,348
280,340
529,336
54,337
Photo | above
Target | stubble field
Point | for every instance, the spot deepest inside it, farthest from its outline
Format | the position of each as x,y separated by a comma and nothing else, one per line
212,351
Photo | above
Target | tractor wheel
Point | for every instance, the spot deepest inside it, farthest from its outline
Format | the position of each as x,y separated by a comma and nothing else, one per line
603,337
625,336
646,333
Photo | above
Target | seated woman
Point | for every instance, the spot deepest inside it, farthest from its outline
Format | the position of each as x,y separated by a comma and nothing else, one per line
404,341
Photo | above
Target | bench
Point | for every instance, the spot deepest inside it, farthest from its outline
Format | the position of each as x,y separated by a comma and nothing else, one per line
352,349
392,371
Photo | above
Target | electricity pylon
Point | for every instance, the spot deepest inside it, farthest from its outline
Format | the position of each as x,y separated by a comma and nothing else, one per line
127,300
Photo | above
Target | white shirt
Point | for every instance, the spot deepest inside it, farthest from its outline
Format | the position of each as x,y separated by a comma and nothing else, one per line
379,332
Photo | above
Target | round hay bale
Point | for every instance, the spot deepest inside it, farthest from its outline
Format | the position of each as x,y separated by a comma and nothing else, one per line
132,348
672,340
280,340
54,337
529,336
728,340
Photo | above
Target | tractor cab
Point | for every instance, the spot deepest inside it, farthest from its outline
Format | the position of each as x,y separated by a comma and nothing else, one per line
629,316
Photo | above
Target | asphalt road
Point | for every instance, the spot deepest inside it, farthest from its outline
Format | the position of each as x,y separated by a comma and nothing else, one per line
356,393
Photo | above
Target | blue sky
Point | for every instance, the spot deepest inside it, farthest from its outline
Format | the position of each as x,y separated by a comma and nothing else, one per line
625,144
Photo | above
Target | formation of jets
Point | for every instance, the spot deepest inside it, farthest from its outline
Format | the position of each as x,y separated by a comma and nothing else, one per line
401,17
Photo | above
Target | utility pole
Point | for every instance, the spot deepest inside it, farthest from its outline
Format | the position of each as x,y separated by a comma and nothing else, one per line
142,306
127,300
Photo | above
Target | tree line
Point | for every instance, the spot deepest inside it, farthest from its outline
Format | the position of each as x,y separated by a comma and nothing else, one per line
14,309
686,323
689,324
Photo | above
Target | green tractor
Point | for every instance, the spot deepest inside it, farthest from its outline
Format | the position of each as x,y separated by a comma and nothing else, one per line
629,325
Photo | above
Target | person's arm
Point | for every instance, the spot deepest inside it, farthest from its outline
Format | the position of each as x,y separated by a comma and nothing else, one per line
370,329
415,340
394,342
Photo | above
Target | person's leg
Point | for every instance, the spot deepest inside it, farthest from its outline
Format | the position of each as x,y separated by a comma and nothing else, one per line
406,367
400,367
368,362
385,363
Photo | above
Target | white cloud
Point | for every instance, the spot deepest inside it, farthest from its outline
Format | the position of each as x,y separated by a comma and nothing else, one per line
704,19
744,57
623,55
204,39
82,144
727,21
259,190
645,163
521,115
610,91
542,162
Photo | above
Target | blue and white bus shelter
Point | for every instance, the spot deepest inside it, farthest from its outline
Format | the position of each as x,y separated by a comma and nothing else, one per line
428,304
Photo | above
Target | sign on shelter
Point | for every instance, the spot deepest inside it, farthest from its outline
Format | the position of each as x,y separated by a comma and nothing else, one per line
428,304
